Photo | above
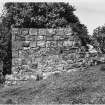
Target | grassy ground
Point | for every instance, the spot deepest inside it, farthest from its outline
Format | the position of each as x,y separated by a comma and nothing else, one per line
82,86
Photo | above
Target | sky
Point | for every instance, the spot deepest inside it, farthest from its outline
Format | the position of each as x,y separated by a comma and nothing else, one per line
90,12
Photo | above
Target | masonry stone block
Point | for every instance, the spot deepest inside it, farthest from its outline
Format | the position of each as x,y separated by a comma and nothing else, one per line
25,67
33,44
57,37
50,32
31,38
33,31
60,32
26,44
13,37
24,61
16,31
60,43
68,43
67,31
19,38
16,61
53,44
17,45
40,38
49,38
41,32
41,43
15,53
33,66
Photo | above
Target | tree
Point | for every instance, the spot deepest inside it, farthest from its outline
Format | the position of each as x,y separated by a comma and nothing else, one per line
39,15
99,36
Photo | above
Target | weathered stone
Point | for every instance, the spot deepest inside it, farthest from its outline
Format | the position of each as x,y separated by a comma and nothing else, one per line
41,32
61,38
16,61
25,67
31,38
50,32
68,43
71,38
15,53
67,31
24,53
41,43
60,32
13,37
34,50
33,31
24,61
34,66
57,37
1,66
15,69
33,44
17,45
53,44
24,31
40,38
16,31
26,44
49,38
47,43
19,38
60,43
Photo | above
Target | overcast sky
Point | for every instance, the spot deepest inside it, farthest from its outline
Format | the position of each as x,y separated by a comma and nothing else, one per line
90,12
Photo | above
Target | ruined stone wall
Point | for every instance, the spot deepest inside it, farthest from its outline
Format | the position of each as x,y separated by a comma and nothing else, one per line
29,44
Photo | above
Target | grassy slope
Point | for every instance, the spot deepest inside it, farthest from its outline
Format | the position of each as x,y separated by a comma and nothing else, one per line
86,86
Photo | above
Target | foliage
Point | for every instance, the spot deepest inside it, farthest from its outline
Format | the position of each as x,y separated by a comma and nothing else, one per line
99,36
40,15
81,31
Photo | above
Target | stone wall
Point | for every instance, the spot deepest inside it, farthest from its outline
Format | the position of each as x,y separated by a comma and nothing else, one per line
28,45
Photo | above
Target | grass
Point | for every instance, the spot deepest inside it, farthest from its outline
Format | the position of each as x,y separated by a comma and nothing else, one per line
82,86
